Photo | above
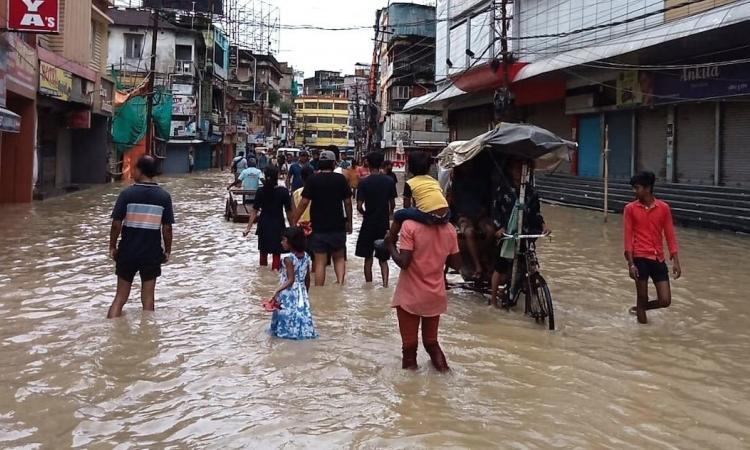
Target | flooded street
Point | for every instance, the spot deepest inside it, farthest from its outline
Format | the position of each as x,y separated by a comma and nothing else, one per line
201,372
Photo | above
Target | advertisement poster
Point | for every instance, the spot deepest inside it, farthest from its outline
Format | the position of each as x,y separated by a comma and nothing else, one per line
55,82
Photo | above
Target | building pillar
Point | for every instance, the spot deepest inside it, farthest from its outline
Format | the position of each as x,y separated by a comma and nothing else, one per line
671,130
17,156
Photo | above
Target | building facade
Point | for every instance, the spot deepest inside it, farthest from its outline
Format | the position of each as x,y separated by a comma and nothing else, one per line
321,121
405,68
662,83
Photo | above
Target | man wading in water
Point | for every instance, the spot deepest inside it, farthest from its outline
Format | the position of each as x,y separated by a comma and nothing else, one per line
647,222
143,214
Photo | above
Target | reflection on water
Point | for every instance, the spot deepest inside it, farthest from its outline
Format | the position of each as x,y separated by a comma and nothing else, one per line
201,371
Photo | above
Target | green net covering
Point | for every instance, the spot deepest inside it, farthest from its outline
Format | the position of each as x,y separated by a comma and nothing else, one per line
129,121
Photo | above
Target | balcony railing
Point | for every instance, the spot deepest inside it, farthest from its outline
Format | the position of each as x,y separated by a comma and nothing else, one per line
184,68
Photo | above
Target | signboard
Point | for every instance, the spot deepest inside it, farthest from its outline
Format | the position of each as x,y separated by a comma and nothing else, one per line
635,88
3,66
702,82
9,121
21,75
205,6
184,105
55,82
80,119
34,16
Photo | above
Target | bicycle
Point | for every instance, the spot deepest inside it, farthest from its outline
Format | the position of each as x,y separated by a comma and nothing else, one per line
527,280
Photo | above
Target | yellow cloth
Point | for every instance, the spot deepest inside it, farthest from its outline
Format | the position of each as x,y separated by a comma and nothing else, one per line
426,193
297,197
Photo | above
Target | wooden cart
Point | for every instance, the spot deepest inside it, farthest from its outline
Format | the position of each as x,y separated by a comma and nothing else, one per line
237,209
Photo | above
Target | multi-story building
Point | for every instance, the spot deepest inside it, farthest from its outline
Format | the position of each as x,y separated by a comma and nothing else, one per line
177,67
405,59
325,82
321,121
19,81
663,82
75,101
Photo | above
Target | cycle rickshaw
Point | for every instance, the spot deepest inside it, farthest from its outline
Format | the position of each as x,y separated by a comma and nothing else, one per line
486,156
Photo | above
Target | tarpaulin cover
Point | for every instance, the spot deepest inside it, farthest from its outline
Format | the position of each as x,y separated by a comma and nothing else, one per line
129,122
511,139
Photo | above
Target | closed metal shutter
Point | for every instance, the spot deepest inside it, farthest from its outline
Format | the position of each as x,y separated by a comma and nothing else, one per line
471,122
620,144
551,116
694,148
590,146
651,141
735,153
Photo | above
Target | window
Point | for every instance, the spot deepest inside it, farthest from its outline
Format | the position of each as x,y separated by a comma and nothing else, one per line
133,46
401,92
325,106
325,120
340,120
311,105
341,106
324,134
183,52
428,125
218,55
339,134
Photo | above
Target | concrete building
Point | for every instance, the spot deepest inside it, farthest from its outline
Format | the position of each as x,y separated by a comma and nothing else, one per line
321,121
652,74
405,63
74,105
356,90
325,83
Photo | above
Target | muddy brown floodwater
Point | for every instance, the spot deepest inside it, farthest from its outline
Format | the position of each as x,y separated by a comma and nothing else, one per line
201,372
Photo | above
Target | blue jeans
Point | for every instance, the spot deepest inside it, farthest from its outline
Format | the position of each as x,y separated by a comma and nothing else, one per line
420,216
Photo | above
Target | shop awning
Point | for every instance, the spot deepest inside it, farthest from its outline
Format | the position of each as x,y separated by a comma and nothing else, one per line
710,20
10,122
433,100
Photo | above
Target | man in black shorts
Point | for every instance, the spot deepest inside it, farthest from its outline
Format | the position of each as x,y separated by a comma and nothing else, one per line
144,216
330,200
376,199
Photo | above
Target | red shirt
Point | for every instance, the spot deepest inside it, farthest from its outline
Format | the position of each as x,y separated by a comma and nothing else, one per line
644,228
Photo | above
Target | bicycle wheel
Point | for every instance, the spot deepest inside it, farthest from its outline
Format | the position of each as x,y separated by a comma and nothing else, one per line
543,301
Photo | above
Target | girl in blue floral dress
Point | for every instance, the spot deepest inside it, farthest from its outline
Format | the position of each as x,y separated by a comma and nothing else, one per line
293,319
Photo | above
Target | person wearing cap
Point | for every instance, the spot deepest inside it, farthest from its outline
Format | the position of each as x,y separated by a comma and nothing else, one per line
330,200
294,180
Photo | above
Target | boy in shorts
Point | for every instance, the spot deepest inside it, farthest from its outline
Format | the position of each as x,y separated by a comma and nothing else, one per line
647,221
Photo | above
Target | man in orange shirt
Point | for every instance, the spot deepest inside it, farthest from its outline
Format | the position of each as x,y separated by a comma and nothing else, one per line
420,294
648,221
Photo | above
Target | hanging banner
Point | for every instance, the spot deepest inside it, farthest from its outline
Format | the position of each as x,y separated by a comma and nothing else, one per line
34,16
55,82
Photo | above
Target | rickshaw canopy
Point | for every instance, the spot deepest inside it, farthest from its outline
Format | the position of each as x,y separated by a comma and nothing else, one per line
522,141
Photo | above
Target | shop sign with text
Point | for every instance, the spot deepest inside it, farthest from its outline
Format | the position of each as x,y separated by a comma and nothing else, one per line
55,82
34,16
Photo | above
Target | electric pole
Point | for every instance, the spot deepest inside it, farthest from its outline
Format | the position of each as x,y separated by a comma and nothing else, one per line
151,83
503,101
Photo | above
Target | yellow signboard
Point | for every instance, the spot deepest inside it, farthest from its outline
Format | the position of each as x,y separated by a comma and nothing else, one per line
55,82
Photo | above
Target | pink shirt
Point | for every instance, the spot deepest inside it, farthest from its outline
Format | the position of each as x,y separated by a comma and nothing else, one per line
421,287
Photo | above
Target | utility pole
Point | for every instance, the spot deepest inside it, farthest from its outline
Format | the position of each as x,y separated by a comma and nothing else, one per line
151,80
358,123
503,100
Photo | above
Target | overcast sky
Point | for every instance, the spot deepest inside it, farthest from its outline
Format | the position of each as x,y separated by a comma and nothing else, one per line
311,50
328,50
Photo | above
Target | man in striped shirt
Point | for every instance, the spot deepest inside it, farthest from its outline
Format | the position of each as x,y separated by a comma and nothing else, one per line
144,216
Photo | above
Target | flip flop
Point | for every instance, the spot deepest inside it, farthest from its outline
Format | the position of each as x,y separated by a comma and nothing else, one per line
633,310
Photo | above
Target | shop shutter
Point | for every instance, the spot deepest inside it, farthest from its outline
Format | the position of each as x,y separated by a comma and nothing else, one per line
735,152
651,141
590,147
471,122
694,147
620,144
551,116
